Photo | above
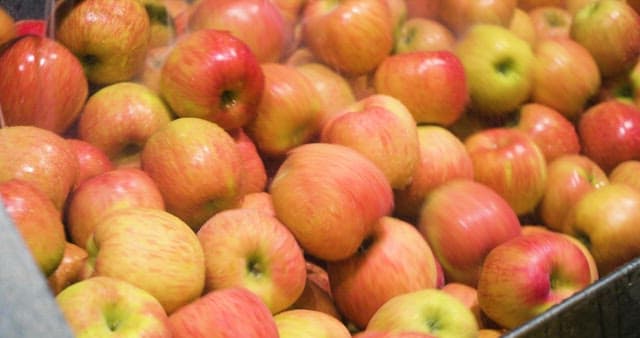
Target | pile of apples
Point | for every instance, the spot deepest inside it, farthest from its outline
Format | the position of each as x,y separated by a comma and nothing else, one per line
321,168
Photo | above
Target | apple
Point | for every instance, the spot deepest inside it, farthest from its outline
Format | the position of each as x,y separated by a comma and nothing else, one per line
92,160
442,157
297,323
525,276
133,113
151,249
626,172
254,173
152,68
499,69
384,334
289,111
381,128
422,34
101,194
461,209
252,249
610,31
565,76
553,133
51,89
490,333
460,15
227,313
329,196
181,157
511,163
429,310
291,9
569,178
609,133
258,200
423,8
529,5
606,221
431,84
359,284
258,23
551,22
37,220
213,75
110,38
40,157
31,27
522,26
161,26
69,271
7,26
333,89
351,36
105,307
315,297
624,87
468,295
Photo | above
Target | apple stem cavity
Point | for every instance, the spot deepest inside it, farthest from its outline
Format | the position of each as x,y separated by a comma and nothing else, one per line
227,99
504,66
365,245
255,266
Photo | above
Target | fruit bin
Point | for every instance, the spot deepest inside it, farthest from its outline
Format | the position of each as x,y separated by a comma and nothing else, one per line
608,308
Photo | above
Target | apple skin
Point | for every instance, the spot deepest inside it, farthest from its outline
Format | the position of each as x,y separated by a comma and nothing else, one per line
31,27
309,323
551,22
104,307
252,249
37,220
606,221
422,34
460,15
69,271
460,209
383,334
258,200
212,75
40,157
565,76
442,157
381,128
161,25
428,310
96,197
529,5
522,26
468,295
227,313
7,26
431,84
110,38
254,173
151,71
569,178
626,172
258,23
50,92
329,196
92,160
551,131
315,297
499,68
610,133
511,163
132,111
358,284
289,112
610,31
351,36
525,276
180,158
423,8
152,249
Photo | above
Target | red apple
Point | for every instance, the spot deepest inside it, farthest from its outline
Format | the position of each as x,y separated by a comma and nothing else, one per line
569,178
565,76
423,8
551,22
526,275
532,4
213,75
459,15
258,23
258,200
422,34
40,157
92,160
610,133
351,36
509,161
551,131
31,27
626,172
133,113
41,84
360,284
330,196
227,313
461,209
69,271
37,220
97,196
442,157
254,173
431,84
314,297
